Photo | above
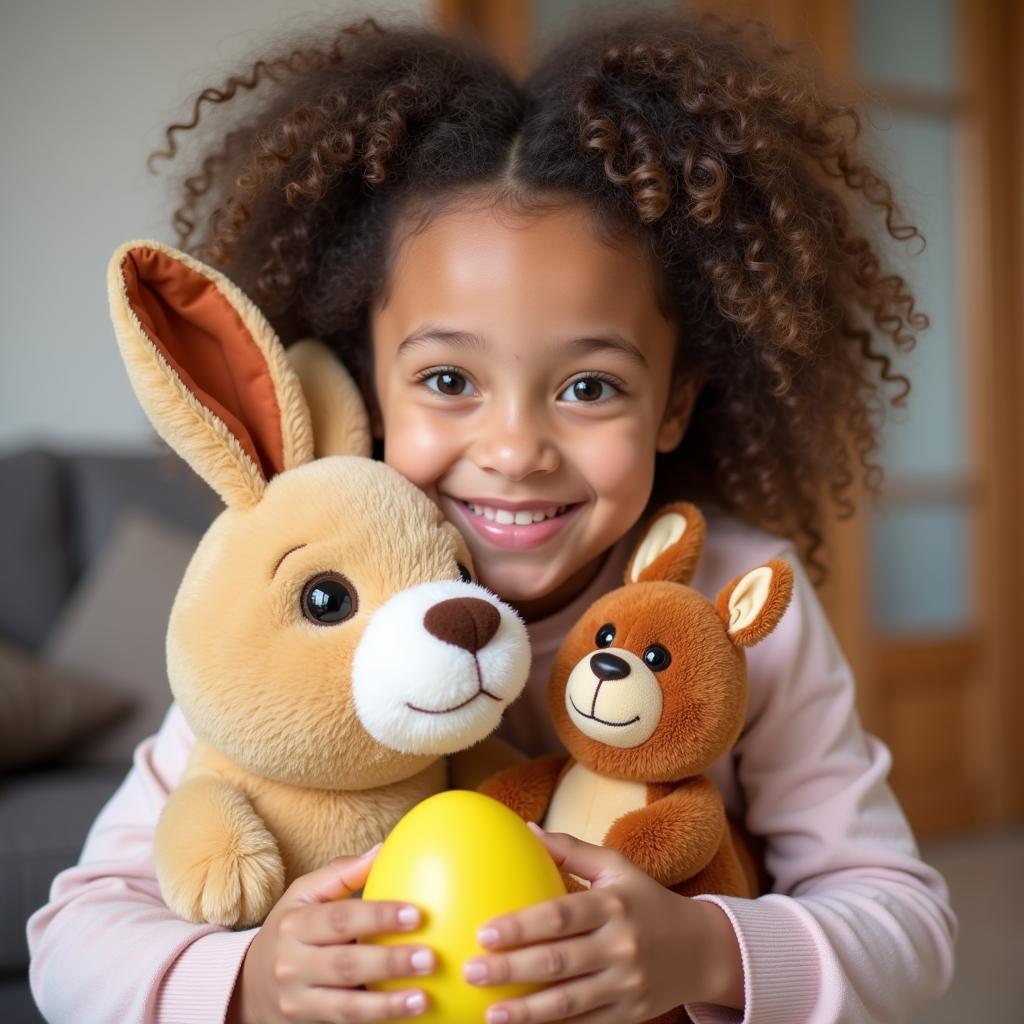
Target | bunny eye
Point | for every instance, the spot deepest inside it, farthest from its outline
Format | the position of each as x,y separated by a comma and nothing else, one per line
328,599
656,657
464,573
605,635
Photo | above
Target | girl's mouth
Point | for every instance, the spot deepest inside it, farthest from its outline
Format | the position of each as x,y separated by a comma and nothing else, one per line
519,530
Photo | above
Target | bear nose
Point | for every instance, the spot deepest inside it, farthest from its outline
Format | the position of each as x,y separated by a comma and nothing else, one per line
608,666
466,622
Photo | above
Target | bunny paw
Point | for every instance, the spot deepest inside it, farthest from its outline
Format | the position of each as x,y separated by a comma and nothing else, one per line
215,860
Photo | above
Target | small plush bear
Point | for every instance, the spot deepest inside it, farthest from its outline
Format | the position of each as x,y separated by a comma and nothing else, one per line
647,692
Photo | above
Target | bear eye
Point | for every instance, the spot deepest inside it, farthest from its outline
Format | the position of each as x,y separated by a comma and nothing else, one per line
464,573
328,599
605,635
656,657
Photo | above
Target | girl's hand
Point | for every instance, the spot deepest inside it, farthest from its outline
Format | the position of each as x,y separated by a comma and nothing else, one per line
623,951
304,964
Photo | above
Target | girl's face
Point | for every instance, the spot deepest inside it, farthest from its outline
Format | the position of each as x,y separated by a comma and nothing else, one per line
523,371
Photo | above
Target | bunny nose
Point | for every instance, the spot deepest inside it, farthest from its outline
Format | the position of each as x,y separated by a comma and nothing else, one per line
466,622
608,666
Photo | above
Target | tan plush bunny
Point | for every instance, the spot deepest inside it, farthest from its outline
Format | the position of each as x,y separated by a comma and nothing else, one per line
326,644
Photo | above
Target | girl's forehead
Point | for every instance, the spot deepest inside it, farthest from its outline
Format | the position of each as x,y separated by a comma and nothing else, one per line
486,263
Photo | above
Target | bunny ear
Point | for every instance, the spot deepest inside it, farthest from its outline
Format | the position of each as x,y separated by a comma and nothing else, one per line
670,547
341,425
751,605
208,370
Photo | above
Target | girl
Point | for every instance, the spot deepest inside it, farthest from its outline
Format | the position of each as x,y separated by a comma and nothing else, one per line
629,278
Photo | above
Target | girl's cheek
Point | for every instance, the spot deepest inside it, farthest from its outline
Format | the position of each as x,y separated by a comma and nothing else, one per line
417,447
618,462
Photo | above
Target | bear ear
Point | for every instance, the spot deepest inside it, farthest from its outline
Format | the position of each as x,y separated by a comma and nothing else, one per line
751,605
670,546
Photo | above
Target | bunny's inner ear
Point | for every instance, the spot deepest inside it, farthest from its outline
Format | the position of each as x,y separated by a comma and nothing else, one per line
751,605
670,546
208,370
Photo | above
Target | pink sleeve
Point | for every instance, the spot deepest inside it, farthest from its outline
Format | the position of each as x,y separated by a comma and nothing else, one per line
106,947
858,928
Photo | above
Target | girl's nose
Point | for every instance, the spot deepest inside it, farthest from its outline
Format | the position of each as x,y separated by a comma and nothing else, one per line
516,448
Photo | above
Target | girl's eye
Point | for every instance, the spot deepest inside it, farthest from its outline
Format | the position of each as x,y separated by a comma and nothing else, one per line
448,382
592,388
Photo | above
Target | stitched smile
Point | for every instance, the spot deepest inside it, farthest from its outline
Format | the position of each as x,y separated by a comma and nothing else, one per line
603,721
469,700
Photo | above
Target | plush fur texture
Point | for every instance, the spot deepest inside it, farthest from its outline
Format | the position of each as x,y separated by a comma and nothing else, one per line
679,712
313,558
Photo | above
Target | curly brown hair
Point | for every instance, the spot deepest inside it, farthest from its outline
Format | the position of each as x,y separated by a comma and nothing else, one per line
706,142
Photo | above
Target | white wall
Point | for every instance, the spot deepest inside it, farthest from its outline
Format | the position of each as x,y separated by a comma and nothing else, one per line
86,89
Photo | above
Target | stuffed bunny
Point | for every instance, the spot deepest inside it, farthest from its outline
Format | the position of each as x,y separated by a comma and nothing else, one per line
326,644
648,690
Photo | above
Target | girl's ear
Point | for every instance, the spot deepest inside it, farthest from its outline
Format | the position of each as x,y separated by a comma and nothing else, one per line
670,546
340,423
679,409
751,605
208,370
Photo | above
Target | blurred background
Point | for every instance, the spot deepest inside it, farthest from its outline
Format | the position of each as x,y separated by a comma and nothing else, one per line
97,521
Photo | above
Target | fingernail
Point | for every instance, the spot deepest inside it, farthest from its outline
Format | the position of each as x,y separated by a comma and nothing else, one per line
487,936
409,917
496,1015
534,827
372,849
416,1003
422,960
474,971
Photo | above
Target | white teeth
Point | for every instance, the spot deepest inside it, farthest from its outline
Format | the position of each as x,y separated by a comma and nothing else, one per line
524,517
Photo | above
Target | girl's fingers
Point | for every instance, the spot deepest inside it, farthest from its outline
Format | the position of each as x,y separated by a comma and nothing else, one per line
552,961
598,864
552,919
337,880
353,965
560,1002
329,1004
325,924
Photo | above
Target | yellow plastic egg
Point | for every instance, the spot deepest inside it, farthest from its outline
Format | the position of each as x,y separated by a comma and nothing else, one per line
462,858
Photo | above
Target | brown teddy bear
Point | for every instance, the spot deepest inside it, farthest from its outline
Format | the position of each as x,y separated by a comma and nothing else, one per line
648,690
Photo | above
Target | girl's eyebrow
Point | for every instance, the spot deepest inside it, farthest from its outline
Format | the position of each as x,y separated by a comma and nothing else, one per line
611,341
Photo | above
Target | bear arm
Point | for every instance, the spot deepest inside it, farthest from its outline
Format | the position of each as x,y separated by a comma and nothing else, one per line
527,788
674,836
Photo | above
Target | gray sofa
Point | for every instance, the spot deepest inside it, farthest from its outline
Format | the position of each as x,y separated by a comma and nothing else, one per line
62,515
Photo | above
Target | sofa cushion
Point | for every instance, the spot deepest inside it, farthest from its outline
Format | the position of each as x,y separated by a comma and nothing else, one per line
35,565
44,710
102,487
114,628
44,819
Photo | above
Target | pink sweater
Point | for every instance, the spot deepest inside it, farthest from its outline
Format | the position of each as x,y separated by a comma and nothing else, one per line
858,928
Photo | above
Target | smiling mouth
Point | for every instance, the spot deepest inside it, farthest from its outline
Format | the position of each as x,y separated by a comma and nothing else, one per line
521,517
482,691
603,721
